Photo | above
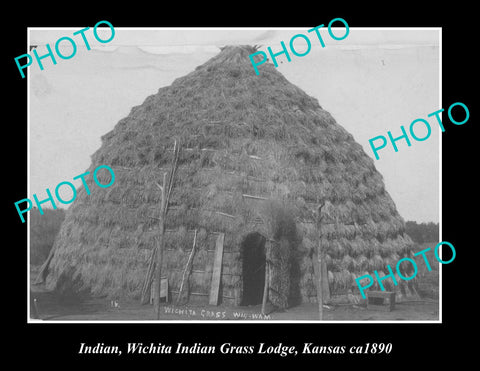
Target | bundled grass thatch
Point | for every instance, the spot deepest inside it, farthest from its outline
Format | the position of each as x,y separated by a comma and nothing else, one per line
246,139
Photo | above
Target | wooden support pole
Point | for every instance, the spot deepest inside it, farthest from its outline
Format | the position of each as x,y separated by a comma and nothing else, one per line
42,274
159,260
265,285
146,290
217,270
265,290
188,266
254,197
319,284
155,266
319,262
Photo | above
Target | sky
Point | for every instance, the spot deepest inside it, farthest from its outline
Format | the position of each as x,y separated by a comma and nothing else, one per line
373,81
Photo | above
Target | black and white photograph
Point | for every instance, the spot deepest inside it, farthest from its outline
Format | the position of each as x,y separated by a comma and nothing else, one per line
248,184
234,186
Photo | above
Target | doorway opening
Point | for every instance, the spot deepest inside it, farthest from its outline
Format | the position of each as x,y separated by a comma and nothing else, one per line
254,263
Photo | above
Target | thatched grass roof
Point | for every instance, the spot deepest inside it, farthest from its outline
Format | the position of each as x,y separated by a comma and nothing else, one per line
242,135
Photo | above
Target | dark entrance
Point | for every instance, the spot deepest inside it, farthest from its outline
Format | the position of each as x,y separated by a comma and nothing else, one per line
253,247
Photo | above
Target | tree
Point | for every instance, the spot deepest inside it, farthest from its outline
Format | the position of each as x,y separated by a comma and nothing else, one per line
423,232
43,230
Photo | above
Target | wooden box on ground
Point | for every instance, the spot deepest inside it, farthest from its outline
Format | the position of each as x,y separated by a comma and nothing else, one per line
381,300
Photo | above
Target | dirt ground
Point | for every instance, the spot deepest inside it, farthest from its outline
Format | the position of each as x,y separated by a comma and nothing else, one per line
51,307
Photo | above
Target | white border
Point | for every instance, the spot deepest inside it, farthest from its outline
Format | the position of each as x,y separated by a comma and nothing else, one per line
234,321
440,222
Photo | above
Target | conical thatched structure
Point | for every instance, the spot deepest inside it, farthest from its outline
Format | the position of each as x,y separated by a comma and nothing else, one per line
258,157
